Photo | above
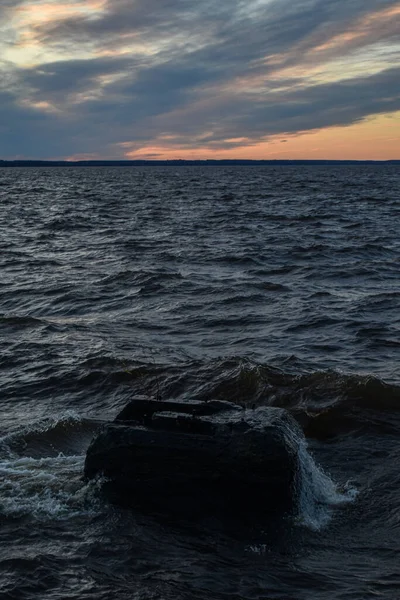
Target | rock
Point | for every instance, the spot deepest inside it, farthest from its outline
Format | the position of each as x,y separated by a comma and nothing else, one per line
198,457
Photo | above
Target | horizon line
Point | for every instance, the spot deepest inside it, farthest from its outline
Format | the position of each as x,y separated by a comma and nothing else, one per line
189,162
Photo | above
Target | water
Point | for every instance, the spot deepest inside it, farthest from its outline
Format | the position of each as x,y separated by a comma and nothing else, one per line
259,285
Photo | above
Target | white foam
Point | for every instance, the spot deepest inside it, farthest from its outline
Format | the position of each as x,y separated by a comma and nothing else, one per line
318,493
258,548
46,487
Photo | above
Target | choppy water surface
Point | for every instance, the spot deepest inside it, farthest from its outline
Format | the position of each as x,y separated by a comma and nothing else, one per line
265,285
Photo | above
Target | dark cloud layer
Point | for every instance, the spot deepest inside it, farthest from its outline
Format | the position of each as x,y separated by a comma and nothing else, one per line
197,73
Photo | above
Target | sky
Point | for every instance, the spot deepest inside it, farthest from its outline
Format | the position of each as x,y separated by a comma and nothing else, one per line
198,79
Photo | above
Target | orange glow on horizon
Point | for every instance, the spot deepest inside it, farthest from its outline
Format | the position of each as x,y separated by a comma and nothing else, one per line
376,138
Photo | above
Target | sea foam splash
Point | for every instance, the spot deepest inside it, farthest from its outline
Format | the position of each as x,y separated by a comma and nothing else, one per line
318,494
44,487
52,487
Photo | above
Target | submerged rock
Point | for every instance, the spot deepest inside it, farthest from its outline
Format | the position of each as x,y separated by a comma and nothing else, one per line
198,457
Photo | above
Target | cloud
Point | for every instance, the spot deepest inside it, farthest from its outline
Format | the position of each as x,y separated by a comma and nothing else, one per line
257,116
121,76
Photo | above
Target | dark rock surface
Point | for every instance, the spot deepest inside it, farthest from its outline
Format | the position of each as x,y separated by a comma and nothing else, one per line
198,457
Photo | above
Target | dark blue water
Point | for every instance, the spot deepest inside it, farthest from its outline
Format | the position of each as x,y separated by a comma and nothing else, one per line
260,285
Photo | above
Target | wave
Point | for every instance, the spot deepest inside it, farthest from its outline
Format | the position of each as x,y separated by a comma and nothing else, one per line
15,321
68,223
41,468
140,277
67,434
41,481
41,464
326,403
270,286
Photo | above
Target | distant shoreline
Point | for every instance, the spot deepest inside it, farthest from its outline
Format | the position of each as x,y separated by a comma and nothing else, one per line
187,163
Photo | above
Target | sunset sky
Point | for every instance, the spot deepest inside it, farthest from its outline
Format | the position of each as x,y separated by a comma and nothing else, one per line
156,79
